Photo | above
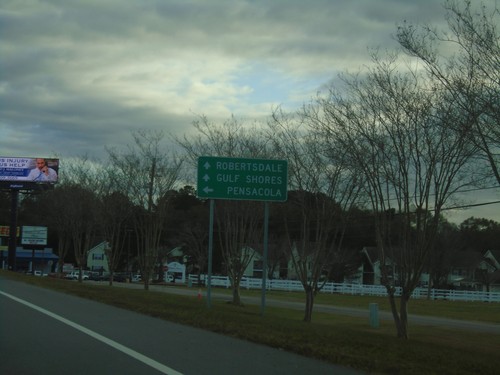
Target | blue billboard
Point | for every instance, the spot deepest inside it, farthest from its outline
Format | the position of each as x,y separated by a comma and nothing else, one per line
36,170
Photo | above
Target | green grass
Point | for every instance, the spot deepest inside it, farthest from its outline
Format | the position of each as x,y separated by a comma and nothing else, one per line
476,311
337,339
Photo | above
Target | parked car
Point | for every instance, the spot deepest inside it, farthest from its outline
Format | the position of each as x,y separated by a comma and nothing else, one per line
136,278
36,273
73,275
99,276
120,277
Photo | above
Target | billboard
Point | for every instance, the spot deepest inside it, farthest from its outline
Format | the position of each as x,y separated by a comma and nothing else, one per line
34,235
30,170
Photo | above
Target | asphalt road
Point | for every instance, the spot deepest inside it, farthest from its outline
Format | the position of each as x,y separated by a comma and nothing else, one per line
47,332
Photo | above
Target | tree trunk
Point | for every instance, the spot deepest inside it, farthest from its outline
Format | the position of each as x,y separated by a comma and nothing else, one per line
429,288
400,328
309,304
161,272
147,276
80,273
403,313
111,276
236,295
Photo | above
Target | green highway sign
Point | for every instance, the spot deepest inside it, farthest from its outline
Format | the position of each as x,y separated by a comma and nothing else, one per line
242,179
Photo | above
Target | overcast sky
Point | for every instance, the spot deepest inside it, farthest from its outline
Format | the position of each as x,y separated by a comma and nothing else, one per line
76,75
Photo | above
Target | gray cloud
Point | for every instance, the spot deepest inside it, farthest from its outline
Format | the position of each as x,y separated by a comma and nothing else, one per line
78,75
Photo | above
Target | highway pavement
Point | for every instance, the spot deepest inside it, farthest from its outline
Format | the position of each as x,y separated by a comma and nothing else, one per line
47,332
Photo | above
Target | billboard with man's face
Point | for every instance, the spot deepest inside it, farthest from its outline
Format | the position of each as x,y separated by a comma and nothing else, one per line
31,170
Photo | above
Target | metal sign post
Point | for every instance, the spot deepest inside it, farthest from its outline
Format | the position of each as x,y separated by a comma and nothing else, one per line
13,231
210,252
241,179
264,261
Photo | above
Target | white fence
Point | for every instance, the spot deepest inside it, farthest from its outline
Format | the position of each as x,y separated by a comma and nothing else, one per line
353,289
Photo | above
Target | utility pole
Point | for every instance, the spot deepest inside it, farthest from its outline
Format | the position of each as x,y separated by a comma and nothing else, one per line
11,260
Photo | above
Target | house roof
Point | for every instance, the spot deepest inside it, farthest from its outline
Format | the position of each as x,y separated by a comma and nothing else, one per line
495,253
467,259
101,246
29,254
494,256
371,253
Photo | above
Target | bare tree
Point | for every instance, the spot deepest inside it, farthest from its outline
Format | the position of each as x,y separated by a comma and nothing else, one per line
194,238
82,224
471,74
232,138
236,221
114,212
278,246
445,247
88,181
54,203
145,173
324,191
399,134
239,230
111,209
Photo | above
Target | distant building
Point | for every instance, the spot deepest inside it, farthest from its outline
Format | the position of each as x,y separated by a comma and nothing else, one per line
470,270
371,267
97,260
474,271
29,260
176,270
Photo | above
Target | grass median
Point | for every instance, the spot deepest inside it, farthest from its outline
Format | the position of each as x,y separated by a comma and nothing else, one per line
338,339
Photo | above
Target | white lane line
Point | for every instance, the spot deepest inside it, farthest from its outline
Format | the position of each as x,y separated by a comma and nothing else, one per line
132,353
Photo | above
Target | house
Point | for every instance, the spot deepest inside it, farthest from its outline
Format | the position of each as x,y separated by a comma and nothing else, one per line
255,263
284,268
288,266
176,255
494,282
494,257
97,260
371,267
470,270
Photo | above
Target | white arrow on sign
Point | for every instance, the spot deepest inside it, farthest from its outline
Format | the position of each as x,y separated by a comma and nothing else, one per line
208,190
206,178
207,165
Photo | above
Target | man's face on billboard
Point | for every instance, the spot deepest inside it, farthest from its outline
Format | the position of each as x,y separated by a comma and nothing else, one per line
40,163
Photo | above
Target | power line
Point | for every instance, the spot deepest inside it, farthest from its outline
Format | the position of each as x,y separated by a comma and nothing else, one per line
478,189
470,205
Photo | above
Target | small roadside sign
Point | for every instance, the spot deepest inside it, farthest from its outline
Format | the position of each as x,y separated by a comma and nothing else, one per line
34,235
242,179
